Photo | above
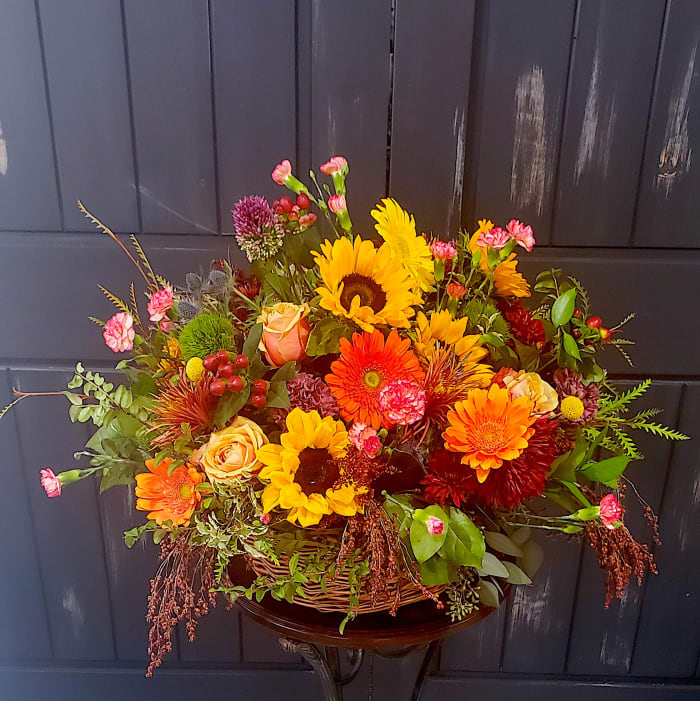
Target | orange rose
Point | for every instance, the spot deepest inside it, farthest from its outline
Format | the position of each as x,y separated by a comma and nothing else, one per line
285,332
230,453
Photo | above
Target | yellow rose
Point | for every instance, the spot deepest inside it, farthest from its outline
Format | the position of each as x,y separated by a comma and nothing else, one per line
230,453
285,332
531,385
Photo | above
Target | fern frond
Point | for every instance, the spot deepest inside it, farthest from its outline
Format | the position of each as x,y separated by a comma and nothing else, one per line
623,342
144,259
646,414
623,353
118,303
134,306
659,430
626,443
97,321
584,295
619,403
163,282
629,317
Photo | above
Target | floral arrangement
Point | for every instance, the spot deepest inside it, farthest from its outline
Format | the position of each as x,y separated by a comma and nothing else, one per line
369,419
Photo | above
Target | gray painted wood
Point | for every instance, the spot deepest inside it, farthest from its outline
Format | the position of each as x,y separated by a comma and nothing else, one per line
28,191
170,80
606,114
90,108
432,59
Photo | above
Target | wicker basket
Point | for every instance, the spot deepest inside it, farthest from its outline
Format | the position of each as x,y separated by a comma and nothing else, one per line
336,598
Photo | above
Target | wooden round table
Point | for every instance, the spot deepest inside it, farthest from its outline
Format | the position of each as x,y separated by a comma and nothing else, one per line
305,631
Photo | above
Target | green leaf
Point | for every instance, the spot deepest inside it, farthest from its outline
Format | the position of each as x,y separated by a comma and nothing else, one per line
521,536
403,515
570,345
434,571
277,395
423,544
325,336
515,574
488,594
250,347
439,270
588,513
606,471
120,473
278,285
532,559
144,385
74,399
298,247
492,566
159,457
469,546
286,372
502,543
563,307
229,405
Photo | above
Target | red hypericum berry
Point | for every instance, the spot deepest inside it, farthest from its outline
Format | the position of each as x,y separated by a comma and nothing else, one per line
303,201
226,370
260,386
293,216
278,208
605,335
258,400
241,361
594,322
576,333
210,363
589,341
236,383
217,387
577,313
286,204
222,356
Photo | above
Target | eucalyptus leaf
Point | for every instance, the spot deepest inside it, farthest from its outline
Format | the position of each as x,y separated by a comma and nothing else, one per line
492,566
515,574
488,594
532,558
502,543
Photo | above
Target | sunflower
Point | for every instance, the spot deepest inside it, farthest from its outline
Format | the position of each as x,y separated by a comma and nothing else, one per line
489,427
364,368
366,285
168,497
484,226
398,229
508,281
302,472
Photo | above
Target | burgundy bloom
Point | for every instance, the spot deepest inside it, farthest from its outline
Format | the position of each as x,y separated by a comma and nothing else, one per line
311,393
569,383
524,327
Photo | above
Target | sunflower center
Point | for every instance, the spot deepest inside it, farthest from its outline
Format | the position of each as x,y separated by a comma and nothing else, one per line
317,471
490,436
367,289
372,379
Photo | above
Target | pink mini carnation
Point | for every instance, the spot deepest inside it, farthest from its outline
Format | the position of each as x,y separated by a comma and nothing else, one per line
337,164
337,203
522,233
307,220
119,332
160,303
494,238
402,402
282,171
265,519
610,511
443,250
435,525
365,438
50,482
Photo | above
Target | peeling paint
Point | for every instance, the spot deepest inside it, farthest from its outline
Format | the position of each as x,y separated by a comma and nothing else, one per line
687,516
71,606
597,128
529,179
3,153
530,608
676,153
150,196
458,128
616,646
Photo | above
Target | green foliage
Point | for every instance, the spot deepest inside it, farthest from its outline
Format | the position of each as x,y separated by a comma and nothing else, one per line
620,403
563,307
325,336
205,335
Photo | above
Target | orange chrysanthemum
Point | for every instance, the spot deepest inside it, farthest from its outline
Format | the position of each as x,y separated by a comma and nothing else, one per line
489,427
364,368
168,497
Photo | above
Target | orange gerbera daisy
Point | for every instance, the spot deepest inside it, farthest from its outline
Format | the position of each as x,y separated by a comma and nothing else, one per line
489,427
364,368
168,497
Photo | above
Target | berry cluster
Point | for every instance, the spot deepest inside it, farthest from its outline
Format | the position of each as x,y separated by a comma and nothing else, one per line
592,331
227,377
294,217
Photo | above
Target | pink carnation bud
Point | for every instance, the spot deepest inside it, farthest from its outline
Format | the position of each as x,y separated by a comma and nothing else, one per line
307,220
456,290
443,250
337,203
402,402
119,332
365,438
372,446
281,172
160,303
50,482
522,233
610,511
435,525
337,164
265,519
494,238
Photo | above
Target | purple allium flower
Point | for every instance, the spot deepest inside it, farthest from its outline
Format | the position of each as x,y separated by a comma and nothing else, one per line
569,383
257,231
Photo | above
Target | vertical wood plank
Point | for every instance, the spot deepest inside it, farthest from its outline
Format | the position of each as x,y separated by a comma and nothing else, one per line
432,57
67,528
350,86
24,632
602,640
524,54
255,118
171,86
606,113
671,606
28,190
668,201
87,83
260,644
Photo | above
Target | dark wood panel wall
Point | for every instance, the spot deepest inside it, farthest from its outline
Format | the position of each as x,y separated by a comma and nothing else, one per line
581,117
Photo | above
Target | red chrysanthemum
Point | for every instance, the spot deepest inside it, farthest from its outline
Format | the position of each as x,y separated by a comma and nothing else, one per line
504,488
364,368
524,327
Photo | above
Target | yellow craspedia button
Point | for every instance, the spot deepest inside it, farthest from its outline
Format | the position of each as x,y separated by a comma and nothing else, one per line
571,408
194,369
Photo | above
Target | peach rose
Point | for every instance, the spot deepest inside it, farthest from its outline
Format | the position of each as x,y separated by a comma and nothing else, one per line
230,453
530,384
285,332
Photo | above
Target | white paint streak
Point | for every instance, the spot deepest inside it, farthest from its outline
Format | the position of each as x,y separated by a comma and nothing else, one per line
616,649
149,195
530,608
528,178
686,517
676,153
458,128
3,153
72,606
595,140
